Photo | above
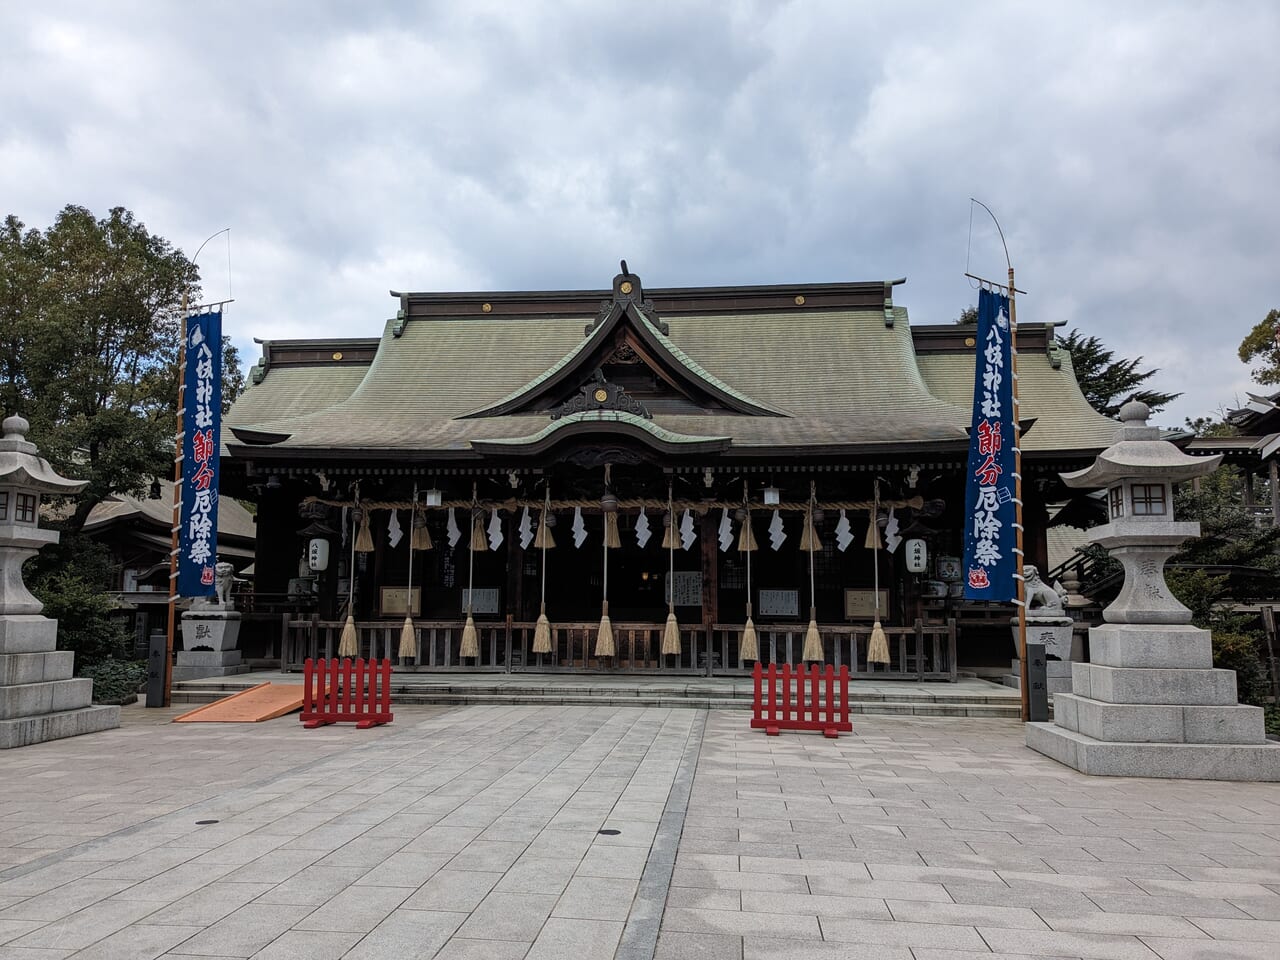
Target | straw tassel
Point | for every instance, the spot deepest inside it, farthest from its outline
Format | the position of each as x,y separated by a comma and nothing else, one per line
670,536
544,540
408,639
542,633
813,639
348,645
747,538
873,533
604,638
809,540
878,646
364,539
611,539
671,635
421,537
479,541
470,639
749,648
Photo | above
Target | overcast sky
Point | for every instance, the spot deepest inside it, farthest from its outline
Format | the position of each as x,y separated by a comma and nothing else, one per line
1130,150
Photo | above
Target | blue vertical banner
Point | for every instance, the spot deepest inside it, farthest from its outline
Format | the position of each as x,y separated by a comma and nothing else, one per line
201,441
990,539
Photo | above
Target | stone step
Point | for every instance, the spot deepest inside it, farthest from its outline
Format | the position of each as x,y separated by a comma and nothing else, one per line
50,696
23,731
1193,761
919,708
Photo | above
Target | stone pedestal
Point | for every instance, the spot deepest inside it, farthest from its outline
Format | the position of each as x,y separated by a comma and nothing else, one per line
1149,703
39,698
216,628
1057,634
1057,676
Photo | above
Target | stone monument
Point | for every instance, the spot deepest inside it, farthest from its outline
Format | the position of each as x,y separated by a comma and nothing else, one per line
1150,703
1048,624
39,700
210,630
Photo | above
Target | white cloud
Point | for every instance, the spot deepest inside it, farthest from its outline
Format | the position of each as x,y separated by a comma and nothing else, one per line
1129,151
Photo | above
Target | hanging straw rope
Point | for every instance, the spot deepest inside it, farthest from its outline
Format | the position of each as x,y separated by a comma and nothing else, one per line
470,639
409,636
542,632
809,541
604,636
364,539
878,645
749,648
671,633
349,642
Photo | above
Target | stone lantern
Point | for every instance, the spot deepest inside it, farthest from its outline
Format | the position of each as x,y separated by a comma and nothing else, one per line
39,700
1150,704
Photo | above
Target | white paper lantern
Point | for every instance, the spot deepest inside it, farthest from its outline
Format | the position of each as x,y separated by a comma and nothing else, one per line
917,556
318,554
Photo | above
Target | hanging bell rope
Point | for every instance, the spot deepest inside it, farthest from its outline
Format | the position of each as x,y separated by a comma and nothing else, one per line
749,648
878,645
542,632
409,636
671,632
470,639
609,504
349,642
812,638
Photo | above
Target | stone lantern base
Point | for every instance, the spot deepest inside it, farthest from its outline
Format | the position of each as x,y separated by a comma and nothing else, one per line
1150,704
39,699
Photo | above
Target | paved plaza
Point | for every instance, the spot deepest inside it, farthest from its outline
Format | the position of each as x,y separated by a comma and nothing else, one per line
582,832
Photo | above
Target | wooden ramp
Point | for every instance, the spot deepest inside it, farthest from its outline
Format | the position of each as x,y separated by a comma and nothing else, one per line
266,701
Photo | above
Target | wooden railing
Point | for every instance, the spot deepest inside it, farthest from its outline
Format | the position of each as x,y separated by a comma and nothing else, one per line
919,652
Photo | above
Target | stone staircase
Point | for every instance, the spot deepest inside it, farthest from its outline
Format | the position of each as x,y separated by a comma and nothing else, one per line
968,698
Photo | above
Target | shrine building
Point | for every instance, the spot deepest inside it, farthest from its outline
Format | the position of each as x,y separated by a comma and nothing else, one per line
665,421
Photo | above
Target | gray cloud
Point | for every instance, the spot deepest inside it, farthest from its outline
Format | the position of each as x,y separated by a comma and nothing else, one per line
1129,149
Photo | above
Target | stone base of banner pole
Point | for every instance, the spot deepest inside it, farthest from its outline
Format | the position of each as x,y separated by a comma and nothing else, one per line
39,698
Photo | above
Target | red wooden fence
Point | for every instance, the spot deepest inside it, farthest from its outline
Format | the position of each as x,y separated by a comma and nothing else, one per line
783,705
346,691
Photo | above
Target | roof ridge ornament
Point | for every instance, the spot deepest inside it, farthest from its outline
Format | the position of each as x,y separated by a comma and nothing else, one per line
627,290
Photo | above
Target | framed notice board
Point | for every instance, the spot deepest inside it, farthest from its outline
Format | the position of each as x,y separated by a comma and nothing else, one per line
861,604
395,602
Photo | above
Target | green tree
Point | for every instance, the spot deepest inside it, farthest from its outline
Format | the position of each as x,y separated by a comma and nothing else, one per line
968,315
1108,383
90,313
1260,344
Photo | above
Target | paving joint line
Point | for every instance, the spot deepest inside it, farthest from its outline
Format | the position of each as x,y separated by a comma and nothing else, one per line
640,935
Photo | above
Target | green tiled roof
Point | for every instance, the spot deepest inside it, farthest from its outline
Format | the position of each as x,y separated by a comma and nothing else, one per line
1064,419
839,378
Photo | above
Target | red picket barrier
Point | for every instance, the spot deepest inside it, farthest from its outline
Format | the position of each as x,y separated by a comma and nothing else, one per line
782,708
356,692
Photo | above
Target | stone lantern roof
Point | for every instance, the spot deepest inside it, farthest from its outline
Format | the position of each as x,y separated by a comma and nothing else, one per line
1140,454
20,464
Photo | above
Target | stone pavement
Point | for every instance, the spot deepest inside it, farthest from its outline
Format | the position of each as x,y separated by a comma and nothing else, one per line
475,832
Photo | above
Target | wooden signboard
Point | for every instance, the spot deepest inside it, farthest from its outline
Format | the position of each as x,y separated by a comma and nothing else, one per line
779,603
486,600
395,602
688,588
861,604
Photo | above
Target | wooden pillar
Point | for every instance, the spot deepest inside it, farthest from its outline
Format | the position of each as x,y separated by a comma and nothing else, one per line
1248,487
1274,474
515,571
710,569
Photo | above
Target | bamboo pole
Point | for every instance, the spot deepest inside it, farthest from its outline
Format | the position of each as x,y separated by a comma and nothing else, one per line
1017,503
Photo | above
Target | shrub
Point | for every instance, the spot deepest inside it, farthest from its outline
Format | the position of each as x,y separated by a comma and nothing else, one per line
71,579
1239,652
115,680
